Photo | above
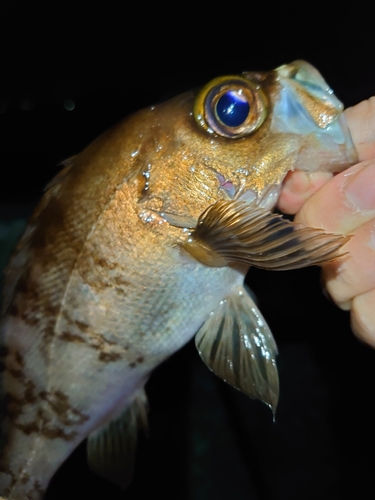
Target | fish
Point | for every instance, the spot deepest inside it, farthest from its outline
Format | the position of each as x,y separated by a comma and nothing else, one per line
142,242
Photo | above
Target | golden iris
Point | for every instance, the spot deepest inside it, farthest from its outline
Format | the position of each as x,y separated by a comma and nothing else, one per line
231,106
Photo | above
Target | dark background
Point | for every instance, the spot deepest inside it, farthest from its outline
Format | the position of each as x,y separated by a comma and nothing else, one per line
68,72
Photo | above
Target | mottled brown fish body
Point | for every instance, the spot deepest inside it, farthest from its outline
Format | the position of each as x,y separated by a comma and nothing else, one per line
79,303
108,280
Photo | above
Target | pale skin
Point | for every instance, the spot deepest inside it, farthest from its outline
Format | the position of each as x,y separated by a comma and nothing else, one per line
345,203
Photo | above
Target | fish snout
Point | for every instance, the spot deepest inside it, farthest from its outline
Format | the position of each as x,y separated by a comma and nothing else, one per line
308,107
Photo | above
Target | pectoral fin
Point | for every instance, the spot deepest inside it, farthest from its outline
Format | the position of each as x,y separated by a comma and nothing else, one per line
231,232
111,448
237,345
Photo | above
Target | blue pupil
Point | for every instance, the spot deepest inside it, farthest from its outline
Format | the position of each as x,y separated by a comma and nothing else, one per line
232,109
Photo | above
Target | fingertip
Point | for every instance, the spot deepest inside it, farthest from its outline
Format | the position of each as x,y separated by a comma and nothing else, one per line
332,276
331,209
344,305
298,186
363,317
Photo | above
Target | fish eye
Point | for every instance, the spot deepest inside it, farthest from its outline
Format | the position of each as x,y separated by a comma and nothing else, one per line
230,106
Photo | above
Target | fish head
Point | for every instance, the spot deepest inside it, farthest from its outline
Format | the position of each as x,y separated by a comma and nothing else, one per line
240,135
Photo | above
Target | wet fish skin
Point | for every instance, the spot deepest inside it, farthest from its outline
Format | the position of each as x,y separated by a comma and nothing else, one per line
103,286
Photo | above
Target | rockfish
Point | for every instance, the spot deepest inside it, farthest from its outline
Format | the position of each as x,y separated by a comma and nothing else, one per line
142,241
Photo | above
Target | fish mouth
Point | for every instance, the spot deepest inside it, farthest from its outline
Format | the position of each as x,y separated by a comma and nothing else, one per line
307,106
322,151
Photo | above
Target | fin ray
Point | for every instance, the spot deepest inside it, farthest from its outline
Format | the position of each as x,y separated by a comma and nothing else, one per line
231,232
111,448
237,345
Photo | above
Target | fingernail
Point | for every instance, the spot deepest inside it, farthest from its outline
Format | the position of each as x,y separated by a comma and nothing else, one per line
360,189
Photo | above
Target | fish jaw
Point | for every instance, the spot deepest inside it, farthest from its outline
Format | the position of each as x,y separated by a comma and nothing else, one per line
307,106
323,153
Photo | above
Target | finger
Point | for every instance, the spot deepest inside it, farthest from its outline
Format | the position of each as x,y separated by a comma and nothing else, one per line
361,122
344,203
363,317
354,274
298,186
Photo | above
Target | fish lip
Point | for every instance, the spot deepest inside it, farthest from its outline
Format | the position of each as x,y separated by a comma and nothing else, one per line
308,82
347,147
322,152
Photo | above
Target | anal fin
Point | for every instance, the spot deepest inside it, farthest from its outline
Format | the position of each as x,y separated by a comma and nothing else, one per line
111,448
237,345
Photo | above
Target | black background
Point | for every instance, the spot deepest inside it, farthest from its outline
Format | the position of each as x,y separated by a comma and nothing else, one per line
206,441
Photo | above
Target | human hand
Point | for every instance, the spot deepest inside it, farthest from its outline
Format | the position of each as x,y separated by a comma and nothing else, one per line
345,204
